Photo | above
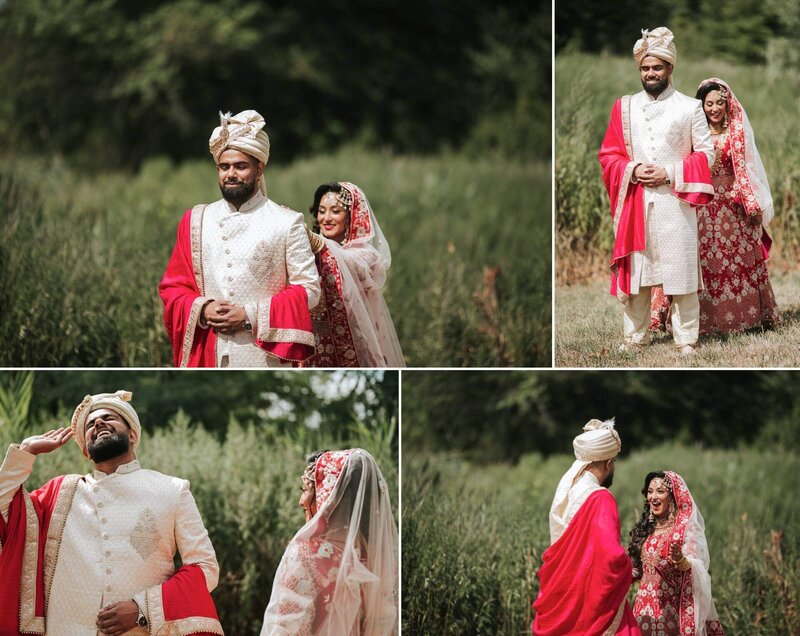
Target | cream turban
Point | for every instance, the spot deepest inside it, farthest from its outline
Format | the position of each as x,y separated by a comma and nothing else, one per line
598,442
657,43
241,132
118,402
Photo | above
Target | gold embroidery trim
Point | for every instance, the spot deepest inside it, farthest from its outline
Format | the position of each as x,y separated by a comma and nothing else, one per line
615,623
297,336
191,325
155,606
681,186
28,621
192,625
196,241
55,532
196,232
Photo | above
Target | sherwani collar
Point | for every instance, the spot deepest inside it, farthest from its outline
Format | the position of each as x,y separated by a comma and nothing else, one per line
251,204
122,469
668,92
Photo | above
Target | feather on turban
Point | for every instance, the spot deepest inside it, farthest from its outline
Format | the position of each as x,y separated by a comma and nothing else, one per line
243,132
118,402
657,43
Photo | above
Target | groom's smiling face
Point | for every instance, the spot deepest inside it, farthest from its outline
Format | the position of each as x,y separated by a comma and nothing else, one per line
655,74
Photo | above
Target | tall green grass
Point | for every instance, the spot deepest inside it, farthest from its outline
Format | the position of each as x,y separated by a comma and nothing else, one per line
246,487
586,88
82,255
473,535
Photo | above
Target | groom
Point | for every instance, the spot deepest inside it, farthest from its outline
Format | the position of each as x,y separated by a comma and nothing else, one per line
655,159
586,574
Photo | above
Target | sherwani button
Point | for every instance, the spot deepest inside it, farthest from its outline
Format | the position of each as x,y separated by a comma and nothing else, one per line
108,570
103,520
105,535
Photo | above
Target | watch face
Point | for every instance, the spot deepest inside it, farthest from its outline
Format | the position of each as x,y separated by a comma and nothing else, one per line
141,621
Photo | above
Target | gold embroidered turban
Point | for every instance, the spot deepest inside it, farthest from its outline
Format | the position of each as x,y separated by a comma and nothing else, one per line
599,442
119,402
242,132
657,43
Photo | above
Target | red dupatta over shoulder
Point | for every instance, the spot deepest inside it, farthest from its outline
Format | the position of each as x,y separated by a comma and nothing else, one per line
692,185
289,335
585,576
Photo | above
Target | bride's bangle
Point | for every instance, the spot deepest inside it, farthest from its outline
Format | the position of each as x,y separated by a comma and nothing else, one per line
682,565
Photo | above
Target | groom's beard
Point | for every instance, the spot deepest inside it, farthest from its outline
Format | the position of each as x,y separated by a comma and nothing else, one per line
656,87
608,481
109,447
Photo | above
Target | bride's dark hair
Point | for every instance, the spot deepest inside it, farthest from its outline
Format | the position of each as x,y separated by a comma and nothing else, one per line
644,527
705,89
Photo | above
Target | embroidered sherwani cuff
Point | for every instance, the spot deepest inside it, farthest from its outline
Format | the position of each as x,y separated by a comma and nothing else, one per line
16,468
251,311
141,601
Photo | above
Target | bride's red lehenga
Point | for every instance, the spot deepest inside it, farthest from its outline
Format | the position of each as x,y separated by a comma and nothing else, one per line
733,237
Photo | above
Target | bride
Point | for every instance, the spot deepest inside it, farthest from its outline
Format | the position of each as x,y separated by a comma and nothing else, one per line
352,325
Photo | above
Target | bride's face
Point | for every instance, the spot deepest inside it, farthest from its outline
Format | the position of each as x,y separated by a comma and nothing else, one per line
658,498
308,500
332,217
715,107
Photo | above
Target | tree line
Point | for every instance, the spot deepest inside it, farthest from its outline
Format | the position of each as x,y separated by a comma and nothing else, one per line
739,31
499,416
109,83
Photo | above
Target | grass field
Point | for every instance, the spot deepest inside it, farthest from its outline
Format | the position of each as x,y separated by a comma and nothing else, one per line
590,338
473,536
82,255
246,488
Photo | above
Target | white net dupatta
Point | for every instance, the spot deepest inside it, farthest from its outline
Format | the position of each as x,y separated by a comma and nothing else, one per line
364,259
339,575
695,548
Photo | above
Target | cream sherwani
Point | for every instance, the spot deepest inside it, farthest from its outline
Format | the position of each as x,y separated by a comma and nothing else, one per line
248,255
664,131
119,539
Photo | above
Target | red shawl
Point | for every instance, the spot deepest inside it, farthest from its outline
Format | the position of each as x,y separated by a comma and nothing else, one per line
692,185
24,536
181,290
585,576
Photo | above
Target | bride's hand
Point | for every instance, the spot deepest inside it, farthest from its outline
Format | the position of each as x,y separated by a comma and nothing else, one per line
675,553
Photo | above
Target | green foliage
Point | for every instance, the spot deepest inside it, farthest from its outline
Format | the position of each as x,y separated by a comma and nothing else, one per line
113,82
16,391
584,231
473,535
739,31
246,487
469,285
499,416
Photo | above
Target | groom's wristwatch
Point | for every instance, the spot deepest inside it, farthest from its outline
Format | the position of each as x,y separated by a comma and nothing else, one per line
667,182
141,619
247,326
